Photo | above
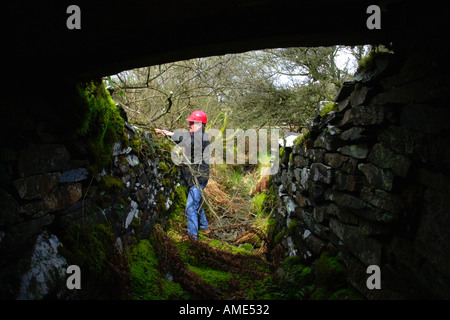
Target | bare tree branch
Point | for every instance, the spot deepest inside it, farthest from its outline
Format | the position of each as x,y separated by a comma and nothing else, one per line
165,110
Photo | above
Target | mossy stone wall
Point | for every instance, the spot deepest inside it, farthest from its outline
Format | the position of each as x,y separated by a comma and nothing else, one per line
369,181
97,184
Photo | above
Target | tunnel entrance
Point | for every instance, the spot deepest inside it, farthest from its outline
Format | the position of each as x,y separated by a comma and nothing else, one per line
377,153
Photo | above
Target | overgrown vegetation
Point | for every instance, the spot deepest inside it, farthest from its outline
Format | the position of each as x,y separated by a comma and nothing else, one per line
281,87
367,63
210,268
147,282
300,141
220,266
323,280
101,125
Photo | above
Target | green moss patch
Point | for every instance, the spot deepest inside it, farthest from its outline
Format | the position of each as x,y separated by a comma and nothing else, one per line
329,272
101,123
104,271
300,141
332,106
147,282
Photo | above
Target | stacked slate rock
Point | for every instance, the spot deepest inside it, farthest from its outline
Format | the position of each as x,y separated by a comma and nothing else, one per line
50,183
370,182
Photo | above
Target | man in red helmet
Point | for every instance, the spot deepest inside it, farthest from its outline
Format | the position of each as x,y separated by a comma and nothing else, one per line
196,174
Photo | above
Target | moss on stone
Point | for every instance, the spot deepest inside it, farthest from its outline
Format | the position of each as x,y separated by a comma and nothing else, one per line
299,142
368,63
135,225
217,278
332,106
111,184
269,227
91,247
166,182
161,202
289,261
136,145
293,281
163,167
279,237
87,246
329,272
147,283
281,153
292,226
177,211
101,125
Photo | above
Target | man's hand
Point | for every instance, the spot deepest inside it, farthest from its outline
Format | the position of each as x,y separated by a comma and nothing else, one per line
164,132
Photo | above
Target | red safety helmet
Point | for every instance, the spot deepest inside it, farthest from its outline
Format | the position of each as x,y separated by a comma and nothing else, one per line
197,115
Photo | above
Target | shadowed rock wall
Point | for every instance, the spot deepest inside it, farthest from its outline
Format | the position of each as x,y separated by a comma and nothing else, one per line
53,202
370,181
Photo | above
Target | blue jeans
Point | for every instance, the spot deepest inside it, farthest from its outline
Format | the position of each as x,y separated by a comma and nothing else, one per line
196,218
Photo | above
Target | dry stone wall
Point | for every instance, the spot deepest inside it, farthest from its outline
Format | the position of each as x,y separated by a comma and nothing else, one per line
47,186
370,183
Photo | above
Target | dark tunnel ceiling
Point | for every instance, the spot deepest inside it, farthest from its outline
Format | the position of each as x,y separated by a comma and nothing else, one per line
120,35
